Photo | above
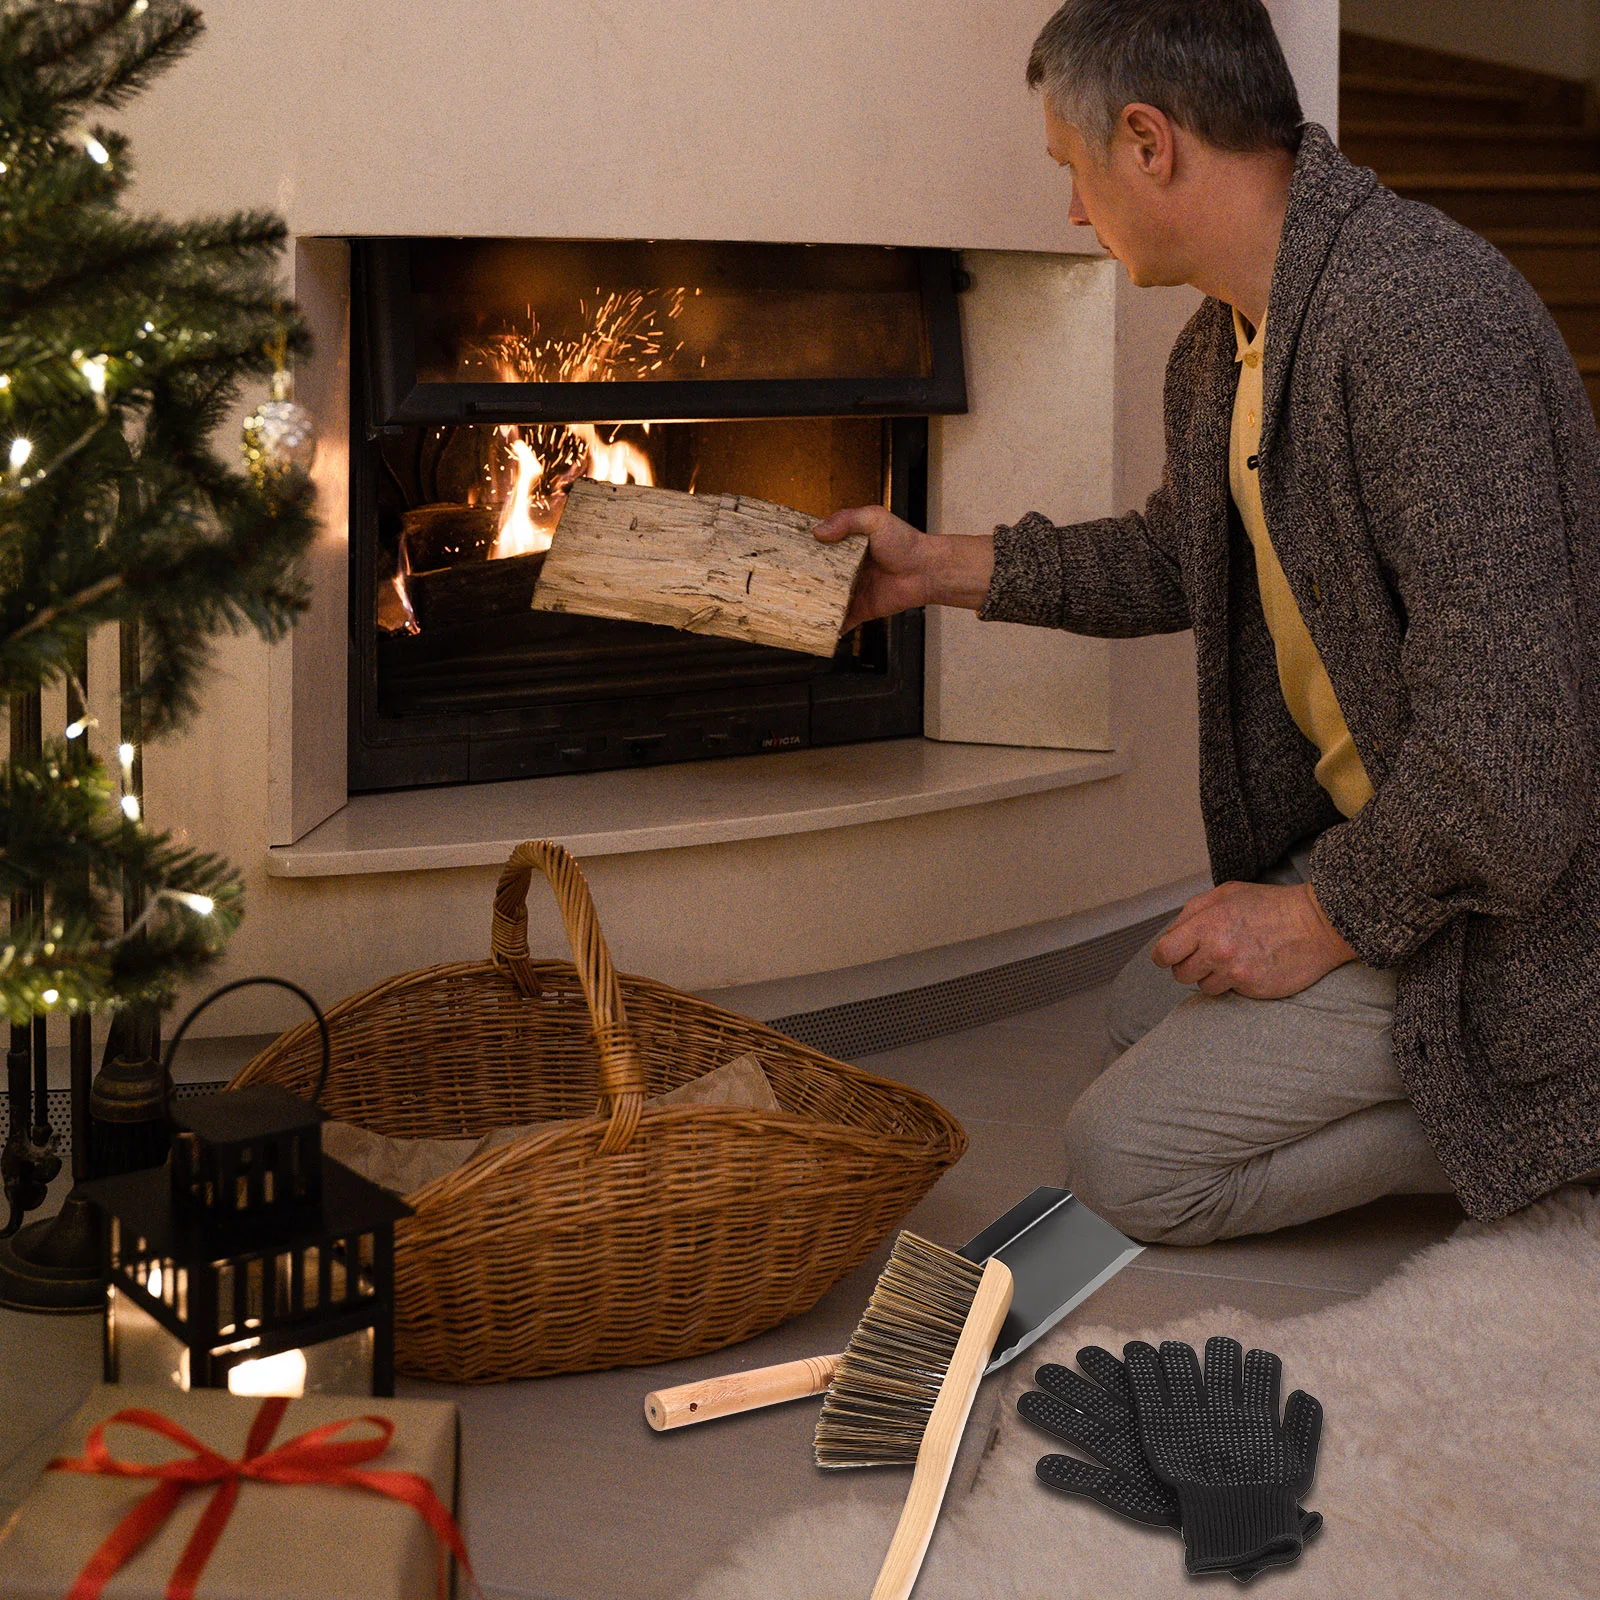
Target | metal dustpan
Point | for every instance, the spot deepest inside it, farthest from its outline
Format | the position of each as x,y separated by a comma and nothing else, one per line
1059,1253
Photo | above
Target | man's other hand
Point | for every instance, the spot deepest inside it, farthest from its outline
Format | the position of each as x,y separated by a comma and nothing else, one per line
1261,940
906,568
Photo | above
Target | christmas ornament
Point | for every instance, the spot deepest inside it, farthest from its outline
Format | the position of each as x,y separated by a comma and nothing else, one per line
279,437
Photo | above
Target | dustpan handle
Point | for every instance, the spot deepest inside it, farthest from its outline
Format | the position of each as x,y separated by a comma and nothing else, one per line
622,1081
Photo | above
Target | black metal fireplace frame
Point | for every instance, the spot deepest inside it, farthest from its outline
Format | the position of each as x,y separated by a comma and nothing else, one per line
774,707
381,275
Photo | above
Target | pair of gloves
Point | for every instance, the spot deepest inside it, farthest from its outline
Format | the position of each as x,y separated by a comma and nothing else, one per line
1207,1454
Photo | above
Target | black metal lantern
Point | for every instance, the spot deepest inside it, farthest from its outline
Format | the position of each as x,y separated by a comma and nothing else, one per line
251,1261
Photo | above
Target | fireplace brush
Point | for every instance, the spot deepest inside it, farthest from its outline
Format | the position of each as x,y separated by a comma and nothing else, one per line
901,1392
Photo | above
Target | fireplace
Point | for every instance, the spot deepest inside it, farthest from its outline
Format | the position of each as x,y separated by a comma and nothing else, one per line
492,373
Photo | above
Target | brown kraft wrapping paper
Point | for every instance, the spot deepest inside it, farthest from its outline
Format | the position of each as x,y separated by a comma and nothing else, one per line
283,1541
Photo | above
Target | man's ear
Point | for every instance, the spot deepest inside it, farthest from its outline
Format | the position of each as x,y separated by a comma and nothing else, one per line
1148,131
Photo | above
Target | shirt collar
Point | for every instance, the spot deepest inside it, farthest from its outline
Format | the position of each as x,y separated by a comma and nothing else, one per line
1243,342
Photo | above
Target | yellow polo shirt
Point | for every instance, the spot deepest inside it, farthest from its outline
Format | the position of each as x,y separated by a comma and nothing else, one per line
1307,691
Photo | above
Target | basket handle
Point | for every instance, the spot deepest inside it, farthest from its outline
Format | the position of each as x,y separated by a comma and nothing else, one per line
622,1080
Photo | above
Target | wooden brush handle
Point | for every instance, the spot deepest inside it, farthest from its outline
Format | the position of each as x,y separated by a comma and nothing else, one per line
738,1391
943,1434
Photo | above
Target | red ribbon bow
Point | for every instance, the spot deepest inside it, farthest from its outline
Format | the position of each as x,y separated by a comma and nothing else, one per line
311,1457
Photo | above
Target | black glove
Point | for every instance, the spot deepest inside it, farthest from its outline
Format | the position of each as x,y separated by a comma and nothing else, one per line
1099,1419
1217,1442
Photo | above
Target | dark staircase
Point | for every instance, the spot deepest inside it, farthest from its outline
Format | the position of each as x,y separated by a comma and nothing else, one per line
1513,155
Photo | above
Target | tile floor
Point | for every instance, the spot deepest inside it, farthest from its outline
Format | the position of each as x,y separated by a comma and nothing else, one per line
569,1496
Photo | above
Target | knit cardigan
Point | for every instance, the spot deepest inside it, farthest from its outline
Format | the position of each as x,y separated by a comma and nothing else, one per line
1431,479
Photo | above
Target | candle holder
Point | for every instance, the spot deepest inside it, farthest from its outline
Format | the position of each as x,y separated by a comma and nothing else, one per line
251,1261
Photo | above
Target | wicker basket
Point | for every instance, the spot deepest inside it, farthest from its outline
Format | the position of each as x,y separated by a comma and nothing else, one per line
633,1234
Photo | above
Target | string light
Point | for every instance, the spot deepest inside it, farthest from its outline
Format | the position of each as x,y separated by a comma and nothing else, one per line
130,807
50,996
5,377
96,151
202,903
21,449
76,730
94,373
140,7
125,756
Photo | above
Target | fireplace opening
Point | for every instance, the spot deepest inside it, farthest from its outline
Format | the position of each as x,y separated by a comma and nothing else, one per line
489,377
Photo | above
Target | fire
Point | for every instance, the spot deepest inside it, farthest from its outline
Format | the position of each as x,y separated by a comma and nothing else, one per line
529,517
621,461
623,338
519,534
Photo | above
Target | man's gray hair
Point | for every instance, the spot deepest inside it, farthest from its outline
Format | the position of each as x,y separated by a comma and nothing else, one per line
1214,66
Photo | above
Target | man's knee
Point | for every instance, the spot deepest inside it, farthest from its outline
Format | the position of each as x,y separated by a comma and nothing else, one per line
1128,1174
1110,1172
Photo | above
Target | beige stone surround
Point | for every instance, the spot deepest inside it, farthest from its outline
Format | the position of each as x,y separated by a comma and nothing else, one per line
888,122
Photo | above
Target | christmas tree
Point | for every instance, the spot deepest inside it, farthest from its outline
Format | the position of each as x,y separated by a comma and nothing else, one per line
124,341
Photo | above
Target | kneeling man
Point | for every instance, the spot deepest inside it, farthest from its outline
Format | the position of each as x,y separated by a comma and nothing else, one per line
1381,518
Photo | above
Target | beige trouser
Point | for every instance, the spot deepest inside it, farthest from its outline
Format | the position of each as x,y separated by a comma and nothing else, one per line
1225,1116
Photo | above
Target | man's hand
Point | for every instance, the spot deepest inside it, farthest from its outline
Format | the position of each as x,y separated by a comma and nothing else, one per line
1261,940
906,568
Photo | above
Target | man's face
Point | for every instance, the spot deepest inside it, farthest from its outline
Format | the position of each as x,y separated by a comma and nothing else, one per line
1112,193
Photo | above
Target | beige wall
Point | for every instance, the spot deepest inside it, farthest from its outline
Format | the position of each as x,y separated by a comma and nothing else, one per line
872,121
894,121
1556,36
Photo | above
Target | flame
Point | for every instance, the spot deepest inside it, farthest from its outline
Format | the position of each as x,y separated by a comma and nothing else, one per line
623,337
519,534
621,461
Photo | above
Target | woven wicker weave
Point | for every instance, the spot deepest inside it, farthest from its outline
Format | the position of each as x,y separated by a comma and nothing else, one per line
633,1234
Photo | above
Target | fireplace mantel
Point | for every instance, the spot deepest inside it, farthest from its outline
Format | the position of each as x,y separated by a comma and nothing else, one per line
669,807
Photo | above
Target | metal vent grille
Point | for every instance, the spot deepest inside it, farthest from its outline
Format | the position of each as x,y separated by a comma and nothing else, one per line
863,1027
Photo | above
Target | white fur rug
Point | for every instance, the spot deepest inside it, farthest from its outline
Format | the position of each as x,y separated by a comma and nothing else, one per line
1460,1455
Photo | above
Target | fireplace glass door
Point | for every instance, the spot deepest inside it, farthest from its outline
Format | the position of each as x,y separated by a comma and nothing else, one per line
492,374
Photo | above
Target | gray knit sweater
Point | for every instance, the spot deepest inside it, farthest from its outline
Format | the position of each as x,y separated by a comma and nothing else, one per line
1431,477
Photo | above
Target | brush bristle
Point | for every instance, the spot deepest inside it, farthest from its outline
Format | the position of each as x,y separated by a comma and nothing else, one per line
884,1389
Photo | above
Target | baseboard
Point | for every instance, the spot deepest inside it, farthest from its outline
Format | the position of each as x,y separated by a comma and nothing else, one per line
885,1004
863,1027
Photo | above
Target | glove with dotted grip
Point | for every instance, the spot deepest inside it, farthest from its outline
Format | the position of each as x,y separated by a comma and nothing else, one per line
1217,1441
1098,1418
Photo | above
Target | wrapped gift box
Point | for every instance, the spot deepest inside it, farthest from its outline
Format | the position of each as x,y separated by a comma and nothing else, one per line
283,1541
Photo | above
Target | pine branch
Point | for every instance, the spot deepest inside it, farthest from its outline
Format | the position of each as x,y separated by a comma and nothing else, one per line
66,838
167,33
98,52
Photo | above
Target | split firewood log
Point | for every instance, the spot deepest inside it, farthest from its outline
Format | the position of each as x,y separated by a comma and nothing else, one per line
721,564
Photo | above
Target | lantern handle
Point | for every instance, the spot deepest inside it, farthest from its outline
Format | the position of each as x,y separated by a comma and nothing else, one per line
228,988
